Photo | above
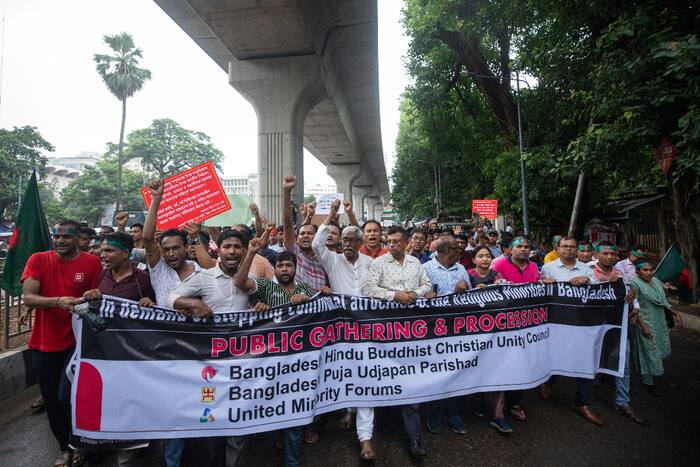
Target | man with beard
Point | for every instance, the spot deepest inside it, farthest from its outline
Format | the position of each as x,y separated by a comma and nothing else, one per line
309,269
347,272
604,271
52,283
286,290
585,252
86,235
372,246
400,277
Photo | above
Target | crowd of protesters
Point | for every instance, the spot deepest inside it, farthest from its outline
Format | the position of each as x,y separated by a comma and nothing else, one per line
200,271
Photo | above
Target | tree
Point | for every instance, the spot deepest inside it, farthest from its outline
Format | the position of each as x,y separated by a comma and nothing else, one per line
166,148
53,207
123,77
86,197
20,153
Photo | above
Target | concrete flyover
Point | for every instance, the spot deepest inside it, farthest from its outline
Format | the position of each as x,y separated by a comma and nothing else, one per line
310,70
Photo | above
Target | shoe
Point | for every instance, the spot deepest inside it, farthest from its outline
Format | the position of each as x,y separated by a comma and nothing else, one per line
652,389
586,413
501,425
457,425
434,423
545,391
627,412
518,413
416,448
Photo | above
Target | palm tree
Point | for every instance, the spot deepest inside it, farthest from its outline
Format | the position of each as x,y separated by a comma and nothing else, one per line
123,78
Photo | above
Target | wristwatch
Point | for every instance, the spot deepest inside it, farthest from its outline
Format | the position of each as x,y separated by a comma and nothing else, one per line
196,241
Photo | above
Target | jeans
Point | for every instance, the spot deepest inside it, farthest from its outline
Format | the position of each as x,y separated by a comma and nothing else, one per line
173,452
411,421
234,449
365,423
293,438
50,370
622,385
584,390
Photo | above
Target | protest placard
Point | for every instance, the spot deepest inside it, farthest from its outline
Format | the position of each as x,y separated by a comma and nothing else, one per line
487,208
323,202
193,195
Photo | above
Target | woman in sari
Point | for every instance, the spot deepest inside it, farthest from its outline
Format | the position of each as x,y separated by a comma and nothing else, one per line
652,339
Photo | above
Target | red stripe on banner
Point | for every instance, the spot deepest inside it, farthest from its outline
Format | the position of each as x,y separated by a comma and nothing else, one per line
88,398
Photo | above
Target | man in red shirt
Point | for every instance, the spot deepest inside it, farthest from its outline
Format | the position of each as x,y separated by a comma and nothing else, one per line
53,282
373,240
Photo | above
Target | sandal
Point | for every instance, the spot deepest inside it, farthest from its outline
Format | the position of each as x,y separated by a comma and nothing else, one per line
80,457
518,413
64,460
38,405
627,412
366,451
310,435
346,422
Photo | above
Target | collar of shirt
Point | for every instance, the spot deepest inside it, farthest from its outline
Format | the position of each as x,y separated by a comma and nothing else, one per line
604,275
577,264
510,260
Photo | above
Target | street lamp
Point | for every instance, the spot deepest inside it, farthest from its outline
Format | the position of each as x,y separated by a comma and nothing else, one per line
523,182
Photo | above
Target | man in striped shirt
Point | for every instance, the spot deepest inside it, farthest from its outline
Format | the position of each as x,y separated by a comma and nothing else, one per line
283,292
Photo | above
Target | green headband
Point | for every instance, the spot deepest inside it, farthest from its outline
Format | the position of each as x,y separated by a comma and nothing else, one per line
65,230
556,239
641,264
519,241
581,247
637,253
610,247
116,243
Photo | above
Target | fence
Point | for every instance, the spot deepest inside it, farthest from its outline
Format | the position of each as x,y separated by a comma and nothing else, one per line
12,308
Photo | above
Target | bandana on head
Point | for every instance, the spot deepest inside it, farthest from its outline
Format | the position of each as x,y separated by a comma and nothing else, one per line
116,243
640,264
600,248
585,248
556,239
65,230
519,241
637,253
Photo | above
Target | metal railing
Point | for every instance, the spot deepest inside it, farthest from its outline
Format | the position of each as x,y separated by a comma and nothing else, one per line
12,308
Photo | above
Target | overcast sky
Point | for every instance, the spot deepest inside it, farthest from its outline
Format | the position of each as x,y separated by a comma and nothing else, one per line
49,79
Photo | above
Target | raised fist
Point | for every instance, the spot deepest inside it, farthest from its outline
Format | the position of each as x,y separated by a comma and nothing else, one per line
156,188
289,182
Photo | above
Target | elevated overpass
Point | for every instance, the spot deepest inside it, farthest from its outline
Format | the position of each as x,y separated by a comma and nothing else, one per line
310,70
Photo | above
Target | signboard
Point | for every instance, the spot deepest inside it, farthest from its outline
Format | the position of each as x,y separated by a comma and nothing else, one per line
487,208
323,203
190,196
665,154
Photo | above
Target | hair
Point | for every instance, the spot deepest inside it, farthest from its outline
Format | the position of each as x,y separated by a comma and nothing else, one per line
280,228
441,245
639,246
505,242
233,233
137,224
88,231
352,231
174,233
567,238
584,242
243,228
448,230
479,248
420,232
312,225
109,227
70,222
123,238
396,229
286,256
204,235
371,221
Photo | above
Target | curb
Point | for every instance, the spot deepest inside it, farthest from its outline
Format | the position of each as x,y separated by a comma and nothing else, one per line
15,372
690,321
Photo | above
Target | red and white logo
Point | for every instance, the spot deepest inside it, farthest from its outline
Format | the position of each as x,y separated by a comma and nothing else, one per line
79,277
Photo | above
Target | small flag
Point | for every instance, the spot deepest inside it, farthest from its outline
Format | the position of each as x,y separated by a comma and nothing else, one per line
30,235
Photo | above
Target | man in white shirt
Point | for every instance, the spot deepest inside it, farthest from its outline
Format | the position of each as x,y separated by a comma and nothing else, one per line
567,268
346,273
400,277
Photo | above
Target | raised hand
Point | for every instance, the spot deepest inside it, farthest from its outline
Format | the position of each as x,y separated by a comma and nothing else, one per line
289,182
192,229
254,208
122,218
311,209
347,205
335,206
156,188
254,246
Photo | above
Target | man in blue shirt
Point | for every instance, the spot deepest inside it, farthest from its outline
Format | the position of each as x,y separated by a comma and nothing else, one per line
447,276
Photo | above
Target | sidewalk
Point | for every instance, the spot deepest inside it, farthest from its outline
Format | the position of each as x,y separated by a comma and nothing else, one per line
689,313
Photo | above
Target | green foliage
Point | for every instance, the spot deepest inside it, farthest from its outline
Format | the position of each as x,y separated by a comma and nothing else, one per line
53,207
166,148
86,197
20,152
120,71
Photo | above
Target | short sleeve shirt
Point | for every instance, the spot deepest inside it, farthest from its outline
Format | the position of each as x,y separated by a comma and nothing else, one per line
513,274
52,331
216,290
134,287
446,278
164,279
309,271
561,273
274,294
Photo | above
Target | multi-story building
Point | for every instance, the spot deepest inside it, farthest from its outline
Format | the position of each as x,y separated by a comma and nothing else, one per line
241,185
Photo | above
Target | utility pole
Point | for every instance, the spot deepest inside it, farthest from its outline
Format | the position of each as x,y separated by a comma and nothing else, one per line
523,182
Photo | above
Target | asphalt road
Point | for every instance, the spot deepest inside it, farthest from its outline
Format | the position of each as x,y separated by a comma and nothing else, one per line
553,434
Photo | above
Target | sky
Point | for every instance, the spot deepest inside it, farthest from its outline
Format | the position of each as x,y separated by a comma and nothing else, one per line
49,79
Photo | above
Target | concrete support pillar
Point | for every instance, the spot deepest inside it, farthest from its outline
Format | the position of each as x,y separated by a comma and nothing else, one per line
372,201
282,91
359,192
378,210
344,176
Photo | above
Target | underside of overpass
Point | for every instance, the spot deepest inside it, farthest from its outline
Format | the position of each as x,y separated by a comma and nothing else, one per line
310,70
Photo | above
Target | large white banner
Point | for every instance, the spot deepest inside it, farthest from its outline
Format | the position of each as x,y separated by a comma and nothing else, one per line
153,373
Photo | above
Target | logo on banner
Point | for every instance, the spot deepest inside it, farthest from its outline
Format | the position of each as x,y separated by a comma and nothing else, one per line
208,394
208,373
207,416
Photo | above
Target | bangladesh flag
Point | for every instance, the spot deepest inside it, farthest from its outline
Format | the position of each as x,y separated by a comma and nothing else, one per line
30,235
